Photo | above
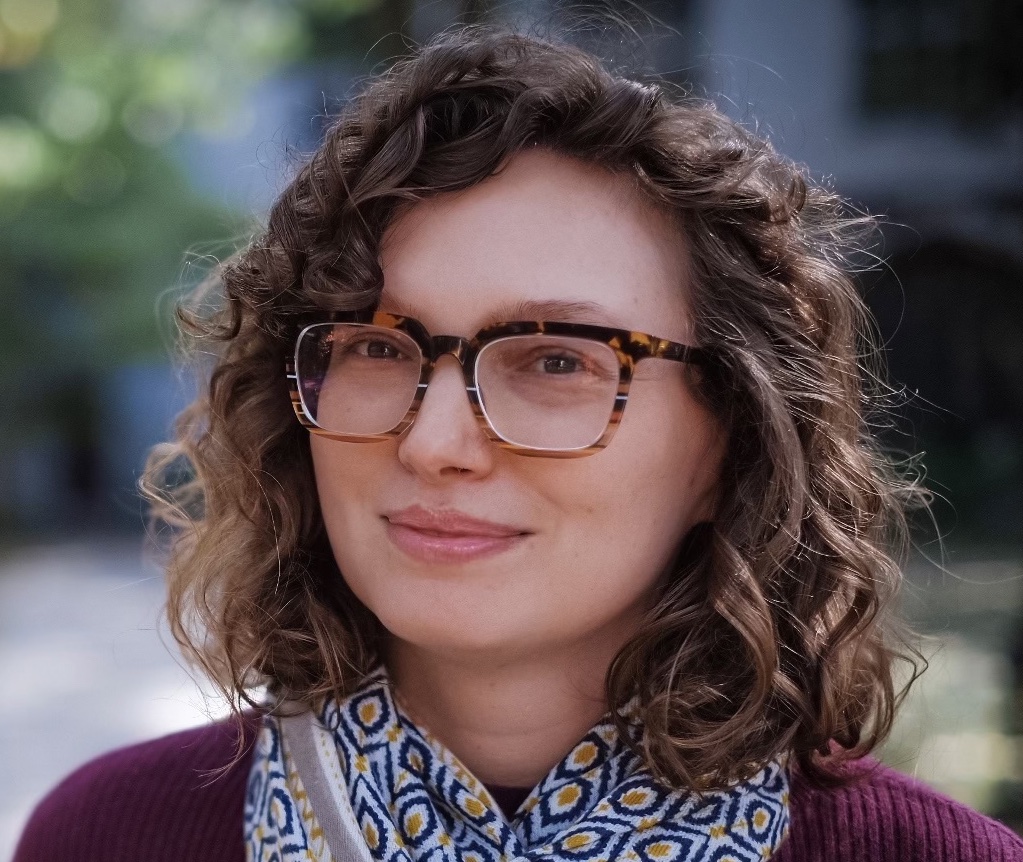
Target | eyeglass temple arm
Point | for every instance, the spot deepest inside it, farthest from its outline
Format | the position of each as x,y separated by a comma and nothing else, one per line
677,352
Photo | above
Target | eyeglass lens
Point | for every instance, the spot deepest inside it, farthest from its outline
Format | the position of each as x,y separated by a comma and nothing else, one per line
538,391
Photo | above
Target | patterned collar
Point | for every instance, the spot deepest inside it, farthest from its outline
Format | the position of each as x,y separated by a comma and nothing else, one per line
414,801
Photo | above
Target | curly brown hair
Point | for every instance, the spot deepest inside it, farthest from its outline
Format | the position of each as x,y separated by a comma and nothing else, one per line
776,634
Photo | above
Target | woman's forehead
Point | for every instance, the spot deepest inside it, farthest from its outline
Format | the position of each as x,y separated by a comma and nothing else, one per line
546,234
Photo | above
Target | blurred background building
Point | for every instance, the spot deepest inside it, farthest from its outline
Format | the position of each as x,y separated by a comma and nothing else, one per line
140,140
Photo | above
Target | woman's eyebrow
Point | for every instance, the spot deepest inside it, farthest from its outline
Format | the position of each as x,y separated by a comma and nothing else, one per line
569,311
566,310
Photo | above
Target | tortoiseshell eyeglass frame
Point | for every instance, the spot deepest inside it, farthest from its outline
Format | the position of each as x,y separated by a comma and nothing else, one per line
630,348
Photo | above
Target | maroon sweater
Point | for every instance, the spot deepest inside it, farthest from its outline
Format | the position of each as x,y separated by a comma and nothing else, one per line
171,800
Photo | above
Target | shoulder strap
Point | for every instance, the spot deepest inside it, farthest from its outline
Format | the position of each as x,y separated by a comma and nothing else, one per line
313,753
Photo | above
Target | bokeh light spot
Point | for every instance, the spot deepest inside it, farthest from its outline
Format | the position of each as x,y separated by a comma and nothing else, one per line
75,113
31,18
152,123
23,153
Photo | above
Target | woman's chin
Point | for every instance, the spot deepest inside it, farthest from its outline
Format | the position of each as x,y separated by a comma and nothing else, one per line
466,640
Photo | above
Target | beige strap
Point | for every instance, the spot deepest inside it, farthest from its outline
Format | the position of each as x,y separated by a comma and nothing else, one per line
314,755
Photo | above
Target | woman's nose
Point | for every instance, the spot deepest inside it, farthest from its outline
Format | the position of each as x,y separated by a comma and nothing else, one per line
446,438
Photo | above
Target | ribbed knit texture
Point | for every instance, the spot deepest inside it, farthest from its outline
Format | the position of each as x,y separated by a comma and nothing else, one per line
161,800
884,816
170,800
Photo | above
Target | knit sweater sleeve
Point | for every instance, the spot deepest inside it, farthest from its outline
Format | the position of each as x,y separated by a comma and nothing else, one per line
179,797
182,797
885,816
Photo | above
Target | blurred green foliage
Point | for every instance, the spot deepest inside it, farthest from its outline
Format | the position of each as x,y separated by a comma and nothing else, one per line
95,211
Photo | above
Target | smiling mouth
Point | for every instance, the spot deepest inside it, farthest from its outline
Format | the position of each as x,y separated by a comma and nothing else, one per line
447,536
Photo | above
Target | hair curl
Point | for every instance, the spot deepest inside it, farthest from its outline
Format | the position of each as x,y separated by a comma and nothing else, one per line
775,637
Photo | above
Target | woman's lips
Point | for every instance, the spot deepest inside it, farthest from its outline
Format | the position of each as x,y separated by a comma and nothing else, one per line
447,536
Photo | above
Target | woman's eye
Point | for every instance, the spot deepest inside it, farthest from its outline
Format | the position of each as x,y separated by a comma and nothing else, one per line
377,349
561,364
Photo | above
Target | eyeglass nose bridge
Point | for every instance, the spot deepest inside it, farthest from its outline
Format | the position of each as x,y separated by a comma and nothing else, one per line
462,350
457,346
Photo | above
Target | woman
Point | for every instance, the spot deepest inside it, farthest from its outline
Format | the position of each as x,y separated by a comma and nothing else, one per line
618,587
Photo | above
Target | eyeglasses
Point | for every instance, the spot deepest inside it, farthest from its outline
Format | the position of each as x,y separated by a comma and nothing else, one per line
536,387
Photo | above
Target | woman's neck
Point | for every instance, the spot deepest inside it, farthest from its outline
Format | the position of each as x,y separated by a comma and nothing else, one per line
508,722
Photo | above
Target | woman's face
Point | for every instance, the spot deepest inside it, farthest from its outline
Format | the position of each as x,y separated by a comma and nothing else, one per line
460,546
